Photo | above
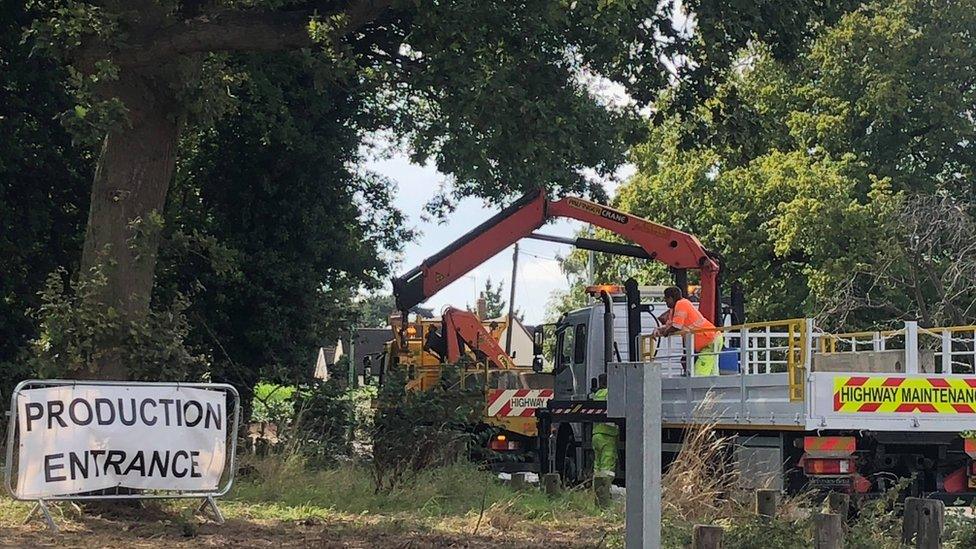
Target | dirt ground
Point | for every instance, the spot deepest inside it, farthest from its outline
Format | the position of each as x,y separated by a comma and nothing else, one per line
172,528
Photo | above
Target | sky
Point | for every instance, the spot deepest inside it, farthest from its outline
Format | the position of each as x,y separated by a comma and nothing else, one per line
538,274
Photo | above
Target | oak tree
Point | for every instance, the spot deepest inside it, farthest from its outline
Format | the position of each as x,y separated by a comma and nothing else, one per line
492,92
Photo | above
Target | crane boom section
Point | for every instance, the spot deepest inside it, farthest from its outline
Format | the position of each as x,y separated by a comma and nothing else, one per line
460,325
670,246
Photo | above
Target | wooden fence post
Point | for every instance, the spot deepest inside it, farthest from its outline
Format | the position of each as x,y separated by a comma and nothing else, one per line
601,487
766,502
519,481
706,536
551,484
840,504
828,531
924,520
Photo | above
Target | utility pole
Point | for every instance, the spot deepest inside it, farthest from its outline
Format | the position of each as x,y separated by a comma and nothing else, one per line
352,358
591,265
511,303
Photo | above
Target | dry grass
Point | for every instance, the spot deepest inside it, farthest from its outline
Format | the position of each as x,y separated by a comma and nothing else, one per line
697,486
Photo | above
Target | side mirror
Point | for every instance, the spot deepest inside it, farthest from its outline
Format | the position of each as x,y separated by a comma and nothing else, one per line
538,340
537,364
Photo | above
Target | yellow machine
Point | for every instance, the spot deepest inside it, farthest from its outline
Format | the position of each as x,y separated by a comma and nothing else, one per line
498,377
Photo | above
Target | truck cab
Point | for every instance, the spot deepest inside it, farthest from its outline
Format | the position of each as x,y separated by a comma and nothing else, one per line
621,314
581,346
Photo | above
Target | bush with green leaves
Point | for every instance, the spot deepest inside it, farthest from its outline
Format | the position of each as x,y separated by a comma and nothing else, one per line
416,430
323,423
272,403
77,331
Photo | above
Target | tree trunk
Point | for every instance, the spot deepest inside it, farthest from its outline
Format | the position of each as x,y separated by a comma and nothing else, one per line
134,171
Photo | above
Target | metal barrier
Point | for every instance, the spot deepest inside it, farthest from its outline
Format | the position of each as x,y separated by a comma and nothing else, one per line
953,347
227,474
754,348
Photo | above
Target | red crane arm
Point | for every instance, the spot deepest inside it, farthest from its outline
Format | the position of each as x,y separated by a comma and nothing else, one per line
670,246
460,325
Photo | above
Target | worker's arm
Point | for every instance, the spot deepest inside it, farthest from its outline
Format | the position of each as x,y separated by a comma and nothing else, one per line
666,330
677,320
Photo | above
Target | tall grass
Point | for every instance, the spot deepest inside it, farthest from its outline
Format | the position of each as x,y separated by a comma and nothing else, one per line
454,490
697,485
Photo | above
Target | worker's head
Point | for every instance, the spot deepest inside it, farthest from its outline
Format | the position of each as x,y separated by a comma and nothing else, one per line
671,295
602,381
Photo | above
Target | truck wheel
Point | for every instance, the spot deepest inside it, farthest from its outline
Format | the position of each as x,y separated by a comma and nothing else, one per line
567,463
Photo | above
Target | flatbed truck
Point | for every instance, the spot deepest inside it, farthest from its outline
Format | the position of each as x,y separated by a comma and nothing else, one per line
801,406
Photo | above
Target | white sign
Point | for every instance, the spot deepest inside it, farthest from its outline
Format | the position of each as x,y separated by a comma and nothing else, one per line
90,437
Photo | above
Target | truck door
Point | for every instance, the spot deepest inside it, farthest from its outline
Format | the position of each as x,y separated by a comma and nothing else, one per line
570,367
580,344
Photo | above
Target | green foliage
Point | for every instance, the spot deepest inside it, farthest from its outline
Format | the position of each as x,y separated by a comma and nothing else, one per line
563,301
43,189
878,522
960,529
754,531
311,423
805,174
272,403
431,71
494,301
270,230
417,430
375,310
454,490
323,423
76,331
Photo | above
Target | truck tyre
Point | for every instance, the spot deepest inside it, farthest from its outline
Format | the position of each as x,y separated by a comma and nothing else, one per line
566,461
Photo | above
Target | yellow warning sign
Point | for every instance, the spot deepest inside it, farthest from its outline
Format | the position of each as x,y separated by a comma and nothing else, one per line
886,394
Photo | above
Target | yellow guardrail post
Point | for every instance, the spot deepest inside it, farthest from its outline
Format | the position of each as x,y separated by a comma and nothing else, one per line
796,358
648,347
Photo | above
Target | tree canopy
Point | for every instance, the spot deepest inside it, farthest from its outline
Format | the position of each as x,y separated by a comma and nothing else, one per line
256,111
270,229
811,177
44,185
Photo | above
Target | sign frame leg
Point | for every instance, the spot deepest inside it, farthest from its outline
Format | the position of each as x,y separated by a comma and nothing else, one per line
41,506
210,504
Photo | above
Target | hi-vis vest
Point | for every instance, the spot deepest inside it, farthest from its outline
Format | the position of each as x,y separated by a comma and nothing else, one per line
687,318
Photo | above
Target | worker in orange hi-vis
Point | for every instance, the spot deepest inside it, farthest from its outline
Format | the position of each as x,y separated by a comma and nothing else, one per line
685,318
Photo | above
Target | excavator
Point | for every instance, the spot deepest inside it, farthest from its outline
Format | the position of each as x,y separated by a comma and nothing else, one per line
513,393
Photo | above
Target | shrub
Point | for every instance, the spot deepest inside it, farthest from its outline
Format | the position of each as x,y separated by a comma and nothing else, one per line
272,403
77,331
415,430
322,423
309,422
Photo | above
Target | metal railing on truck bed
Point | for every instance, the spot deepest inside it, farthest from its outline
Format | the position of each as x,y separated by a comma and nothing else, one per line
789,374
